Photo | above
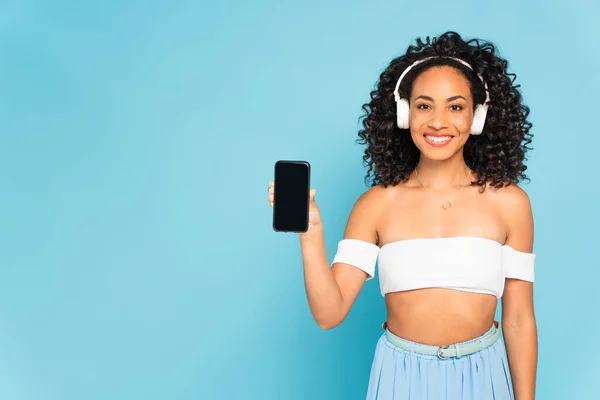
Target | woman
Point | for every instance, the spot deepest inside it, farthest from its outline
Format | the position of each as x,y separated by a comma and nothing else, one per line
449,228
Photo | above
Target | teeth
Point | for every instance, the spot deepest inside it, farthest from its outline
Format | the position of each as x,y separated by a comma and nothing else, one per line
438,139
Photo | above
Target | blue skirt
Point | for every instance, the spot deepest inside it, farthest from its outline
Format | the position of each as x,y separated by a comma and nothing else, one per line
399,374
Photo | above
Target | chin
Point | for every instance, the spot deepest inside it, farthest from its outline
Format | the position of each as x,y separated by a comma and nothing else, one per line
438,155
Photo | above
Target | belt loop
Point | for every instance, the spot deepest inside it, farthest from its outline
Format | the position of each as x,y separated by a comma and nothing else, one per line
482,341
458,352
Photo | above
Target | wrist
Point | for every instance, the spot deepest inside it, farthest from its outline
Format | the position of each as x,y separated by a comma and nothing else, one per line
313,231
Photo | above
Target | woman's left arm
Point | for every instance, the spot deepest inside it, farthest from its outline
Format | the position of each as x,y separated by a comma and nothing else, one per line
518,319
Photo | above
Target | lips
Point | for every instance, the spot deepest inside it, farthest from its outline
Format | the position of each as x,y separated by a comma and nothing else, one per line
438,139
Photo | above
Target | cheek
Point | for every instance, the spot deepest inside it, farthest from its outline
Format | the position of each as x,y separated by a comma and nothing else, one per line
462,120
417,119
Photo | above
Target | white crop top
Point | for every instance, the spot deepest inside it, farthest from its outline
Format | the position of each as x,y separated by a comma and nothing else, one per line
467,263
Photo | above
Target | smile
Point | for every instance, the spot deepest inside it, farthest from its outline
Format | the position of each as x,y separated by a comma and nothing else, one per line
438,141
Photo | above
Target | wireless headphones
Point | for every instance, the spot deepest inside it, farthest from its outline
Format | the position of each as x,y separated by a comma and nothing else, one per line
402,107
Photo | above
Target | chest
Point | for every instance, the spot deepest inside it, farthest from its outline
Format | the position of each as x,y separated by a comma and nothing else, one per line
420,214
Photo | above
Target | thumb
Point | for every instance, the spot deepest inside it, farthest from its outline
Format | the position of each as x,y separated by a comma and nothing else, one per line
313,192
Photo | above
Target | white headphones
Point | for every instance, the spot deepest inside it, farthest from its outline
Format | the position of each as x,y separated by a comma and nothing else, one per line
402,107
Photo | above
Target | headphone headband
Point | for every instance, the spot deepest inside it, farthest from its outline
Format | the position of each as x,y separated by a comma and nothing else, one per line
397,94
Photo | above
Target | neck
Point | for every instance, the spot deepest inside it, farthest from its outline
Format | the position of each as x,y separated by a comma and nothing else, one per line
445,174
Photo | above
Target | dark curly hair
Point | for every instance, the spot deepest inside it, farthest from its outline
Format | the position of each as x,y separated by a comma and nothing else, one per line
497,155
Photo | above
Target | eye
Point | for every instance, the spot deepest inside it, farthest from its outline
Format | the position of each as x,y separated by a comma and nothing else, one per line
456,107
422,106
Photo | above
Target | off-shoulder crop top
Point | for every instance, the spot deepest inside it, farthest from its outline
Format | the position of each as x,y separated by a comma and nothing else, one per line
472,264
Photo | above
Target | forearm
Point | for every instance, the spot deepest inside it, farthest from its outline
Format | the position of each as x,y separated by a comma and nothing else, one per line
323,292
521,348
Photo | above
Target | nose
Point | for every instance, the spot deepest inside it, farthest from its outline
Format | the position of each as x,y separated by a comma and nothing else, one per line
438,119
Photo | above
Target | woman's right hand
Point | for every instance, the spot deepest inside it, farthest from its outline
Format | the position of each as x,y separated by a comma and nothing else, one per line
314,215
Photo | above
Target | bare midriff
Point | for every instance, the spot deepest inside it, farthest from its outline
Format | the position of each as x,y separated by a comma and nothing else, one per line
439,316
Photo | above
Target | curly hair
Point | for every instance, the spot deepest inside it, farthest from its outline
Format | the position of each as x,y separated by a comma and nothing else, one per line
496,156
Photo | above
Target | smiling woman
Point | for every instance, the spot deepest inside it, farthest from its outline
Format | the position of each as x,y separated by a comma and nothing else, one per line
450,230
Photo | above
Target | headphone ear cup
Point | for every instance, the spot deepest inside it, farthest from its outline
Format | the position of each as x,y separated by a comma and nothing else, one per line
402,112
478,119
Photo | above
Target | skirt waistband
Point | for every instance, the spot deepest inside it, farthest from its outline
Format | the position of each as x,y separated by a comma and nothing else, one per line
456,350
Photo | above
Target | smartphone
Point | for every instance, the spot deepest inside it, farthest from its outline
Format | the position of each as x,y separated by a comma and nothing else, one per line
291,196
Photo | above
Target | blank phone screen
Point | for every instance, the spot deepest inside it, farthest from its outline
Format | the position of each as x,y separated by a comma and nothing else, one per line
291,196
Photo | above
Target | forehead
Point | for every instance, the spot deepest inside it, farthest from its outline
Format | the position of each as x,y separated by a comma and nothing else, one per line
443,81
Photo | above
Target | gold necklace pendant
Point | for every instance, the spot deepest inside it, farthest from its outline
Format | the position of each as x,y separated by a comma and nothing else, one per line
445,205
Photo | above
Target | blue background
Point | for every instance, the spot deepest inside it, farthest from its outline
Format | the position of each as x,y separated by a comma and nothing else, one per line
137,259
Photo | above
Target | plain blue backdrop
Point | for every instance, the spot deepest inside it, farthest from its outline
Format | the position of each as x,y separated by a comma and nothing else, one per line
137,258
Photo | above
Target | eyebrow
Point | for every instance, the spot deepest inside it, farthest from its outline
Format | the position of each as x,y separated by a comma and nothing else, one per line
449,99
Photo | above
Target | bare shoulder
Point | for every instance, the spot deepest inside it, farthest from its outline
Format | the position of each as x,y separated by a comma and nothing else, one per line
375,197
511,199
366,213
514,205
